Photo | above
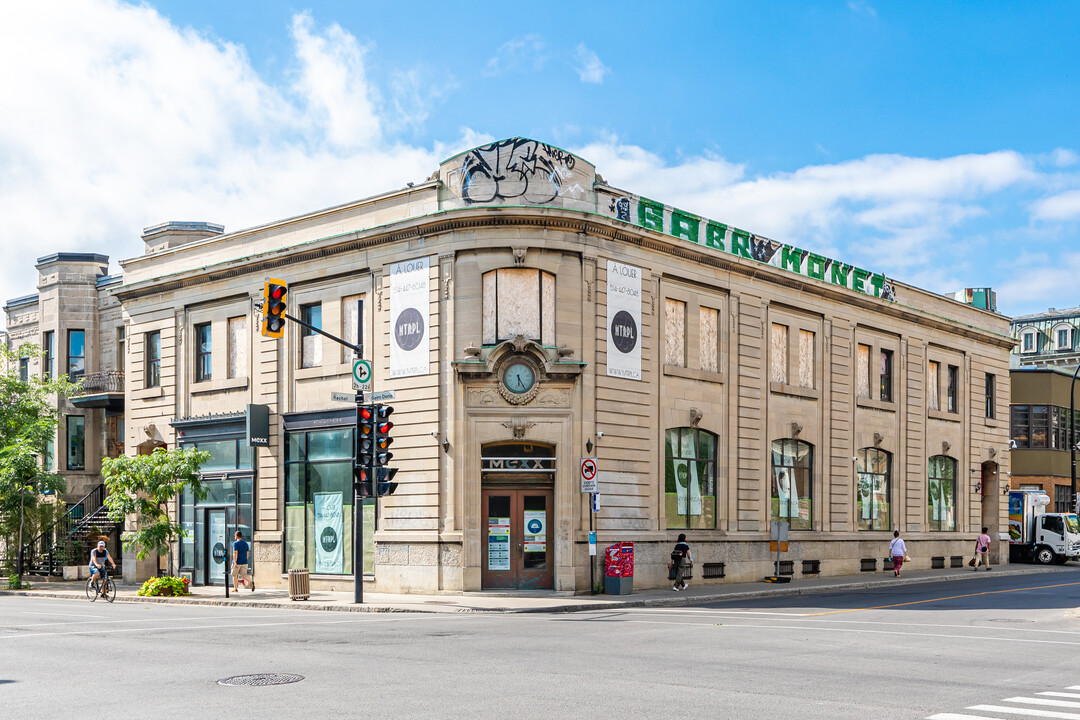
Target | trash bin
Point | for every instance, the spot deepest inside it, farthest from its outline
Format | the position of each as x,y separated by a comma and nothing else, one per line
299,584
619,569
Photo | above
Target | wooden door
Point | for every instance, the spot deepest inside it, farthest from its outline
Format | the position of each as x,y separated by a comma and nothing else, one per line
518,552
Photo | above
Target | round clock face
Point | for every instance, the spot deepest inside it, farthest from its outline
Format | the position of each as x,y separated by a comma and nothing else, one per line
519,378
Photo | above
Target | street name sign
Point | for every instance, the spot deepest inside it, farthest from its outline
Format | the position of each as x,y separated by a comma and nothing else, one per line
343,397
380,396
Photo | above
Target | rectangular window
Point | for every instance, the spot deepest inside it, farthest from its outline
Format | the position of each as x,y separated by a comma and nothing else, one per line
48,344
778,357
238,347
1063,339
1039,425
932,386
121,354
862,371
203,357
76,442
76,353
1062,499
24,369
350,309
319,502
954,388
48,462
1021,425
873,490
1029,342
311,341
709,342
792,486
806,359
674,332
886,375
991,398
153,359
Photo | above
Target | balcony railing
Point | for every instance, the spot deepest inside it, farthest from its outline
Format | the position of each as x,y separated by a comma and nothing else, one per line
102,382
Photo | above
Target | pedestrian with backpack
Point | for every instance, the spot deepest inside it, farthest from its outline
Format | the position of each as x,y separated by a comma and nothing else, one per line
982,551
681,559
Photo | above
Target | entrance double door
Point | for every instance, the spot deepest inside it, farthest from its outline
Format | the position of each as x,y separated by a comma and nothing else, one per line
518,552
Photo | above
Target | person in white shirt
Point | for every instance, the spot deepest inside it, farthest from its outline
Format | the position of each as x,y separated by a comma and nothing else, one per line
898,551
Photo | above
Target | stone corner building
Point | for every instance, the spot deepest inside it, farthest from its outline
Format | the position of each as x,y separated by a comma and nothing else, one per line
527,315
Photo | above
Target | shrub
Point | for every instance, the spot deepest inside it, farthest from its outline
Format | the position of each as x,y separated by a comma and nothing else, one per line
165,586
14,583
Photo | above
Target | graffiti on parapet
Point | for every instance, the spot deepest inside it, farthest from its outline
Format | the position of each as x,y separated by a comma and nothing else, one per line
517,170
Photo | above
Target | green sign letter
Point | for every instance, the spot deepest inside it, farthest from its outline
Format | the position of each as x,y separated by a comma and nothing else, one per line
650,215
683,226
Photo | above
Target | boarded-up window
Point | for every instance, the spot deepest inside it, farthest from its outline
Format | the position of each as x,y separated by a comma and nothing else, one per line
674,332
806,359
778,358
349,309
932,389
238,347
709,344
519,301
862,371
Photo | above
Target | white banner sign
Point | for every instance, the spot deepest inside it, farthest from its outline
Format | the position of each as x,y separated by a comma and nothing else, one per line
623,320
410,339
329,537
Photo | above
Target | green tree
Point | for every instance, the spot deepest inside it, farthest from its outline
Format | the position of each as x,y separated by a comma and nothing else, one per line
28,418
142,486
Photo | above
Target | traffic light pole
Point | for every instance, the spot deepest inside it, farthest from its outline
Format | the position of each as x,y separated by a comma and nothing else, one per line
358,514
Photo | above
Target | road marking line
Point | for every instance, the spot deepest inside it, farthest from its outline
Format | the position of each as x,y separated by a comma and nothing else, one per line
1025,711
951,597
957,716
144,620
1059,694
1043,701
853,630
28,612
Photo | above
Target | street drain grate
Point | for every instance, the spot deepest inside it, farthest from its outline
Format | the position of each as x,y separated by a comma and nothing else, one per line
261,679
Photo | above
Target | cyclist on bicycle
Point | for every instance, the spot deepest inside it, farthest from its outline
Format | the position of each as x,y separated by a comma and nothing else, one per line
98,557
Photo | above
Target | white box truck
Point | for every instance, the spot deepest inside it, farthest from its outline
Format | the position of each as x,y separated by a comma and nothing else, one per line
1038,536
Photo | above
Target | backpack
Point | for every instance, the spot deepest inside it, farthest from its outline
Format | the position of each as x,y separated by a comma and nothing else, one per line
677,555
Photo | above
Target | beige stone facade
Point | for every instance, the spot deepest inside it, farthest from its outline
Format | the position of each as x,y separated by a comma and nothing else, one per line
739,349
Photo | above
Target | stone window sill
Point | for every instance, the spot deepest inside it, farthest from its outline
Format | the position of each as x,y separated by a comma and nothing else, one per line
324,371
886,405
691,374
941,415
148,393
210,387
795,391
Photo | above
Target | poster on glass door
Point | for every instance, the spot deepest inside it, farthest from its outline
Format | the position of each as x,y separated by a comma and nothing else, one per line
409,336
623,320
217,546
535,531
498,543
329,548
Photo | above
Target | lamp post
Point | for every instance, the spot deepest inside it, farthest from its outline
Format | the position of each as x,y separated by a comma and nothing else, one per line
1072,436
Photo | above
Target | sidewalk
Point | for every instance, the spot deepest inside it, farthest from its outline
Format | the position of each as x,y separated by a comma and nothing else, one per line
525,601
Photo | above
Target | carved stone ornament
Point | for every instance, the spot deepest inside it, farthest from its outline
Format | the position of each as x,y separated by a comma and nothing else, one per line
796,428
695,417
992,452
519,256
519,426
945,447
878,437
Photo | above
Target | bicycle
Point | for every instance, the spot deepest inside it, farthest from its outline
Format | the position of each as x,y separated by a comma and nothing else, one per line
93,586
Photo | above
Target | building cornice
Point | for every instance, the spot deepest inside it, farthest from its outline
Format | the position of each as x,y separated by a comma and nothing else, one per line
546,218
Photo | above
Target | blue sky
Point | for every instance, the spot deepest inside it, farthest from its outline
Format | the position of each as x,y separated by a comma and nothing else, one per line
933,142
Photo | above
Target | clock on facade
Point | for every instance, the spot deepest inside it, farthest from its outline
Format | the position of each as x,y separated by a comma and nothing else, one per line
519,377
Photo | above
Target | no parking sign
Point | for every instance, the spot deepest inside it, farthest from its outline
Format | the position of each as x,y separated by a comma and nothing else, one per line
588,475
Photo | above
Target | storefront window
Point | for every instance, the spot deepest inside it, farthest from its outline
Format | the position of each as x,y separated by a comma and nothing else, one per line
690,479
319,503
873,491
941,510
792,462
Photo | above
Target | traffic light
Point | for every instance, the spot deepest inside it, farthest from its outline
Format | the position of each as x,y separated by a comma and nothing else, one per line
386,484
382,434
275,296
362,481
365,435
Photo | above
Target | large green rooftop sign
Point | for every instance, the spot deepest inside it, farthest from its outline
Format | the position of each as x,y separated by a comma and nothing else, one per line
721,238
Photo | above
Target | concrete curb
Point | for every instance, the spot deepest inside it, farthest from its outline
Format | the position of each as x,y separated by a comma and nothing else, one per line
569,607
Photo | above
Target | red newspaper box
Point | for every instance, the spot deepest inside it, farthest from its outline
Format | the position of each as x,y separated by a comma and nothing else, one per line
619,569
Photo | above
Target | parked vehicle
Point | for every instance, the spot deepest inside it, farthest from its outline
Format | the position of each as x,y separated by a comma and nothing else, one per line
1038,536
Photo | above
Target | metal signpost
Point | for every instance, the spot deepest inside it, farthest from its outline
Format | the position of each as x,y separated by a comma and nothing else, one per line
589,485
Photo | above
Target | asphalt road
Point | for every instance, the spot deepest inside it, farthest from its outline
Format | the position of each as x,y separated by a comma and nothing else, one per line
994,647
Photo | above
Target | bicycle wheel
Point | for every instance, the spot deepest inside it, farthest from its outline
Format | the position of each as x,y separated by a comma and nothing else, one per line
91,589
110,589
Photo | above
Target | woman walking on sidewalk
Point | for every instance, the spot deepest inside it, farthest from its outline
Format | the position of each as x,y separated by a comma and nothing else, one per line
898,551
680,560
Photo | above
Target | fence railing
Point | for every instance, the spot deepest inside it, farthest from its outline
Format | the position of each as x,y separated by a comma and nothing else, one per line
66,541
102,382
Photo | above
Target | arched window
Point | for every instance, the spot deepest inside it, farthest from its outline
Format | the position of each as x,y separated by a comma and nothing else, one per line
1029,340
792,485
873,490
941,498
690,478
519,301
1063,337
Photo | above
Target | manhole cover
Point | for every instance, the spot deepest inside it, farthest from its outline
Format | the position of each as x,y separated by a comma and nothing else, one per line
261,679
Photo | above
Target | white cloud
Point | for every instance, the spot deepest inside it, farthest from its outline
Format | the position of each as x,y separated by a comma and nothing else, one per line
523,54
588,65
862,8
1063,206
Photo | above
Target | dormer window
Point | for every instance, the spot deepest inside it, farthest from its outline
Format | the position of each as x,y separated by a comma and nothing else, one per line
519,301
1063,337
1028,343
